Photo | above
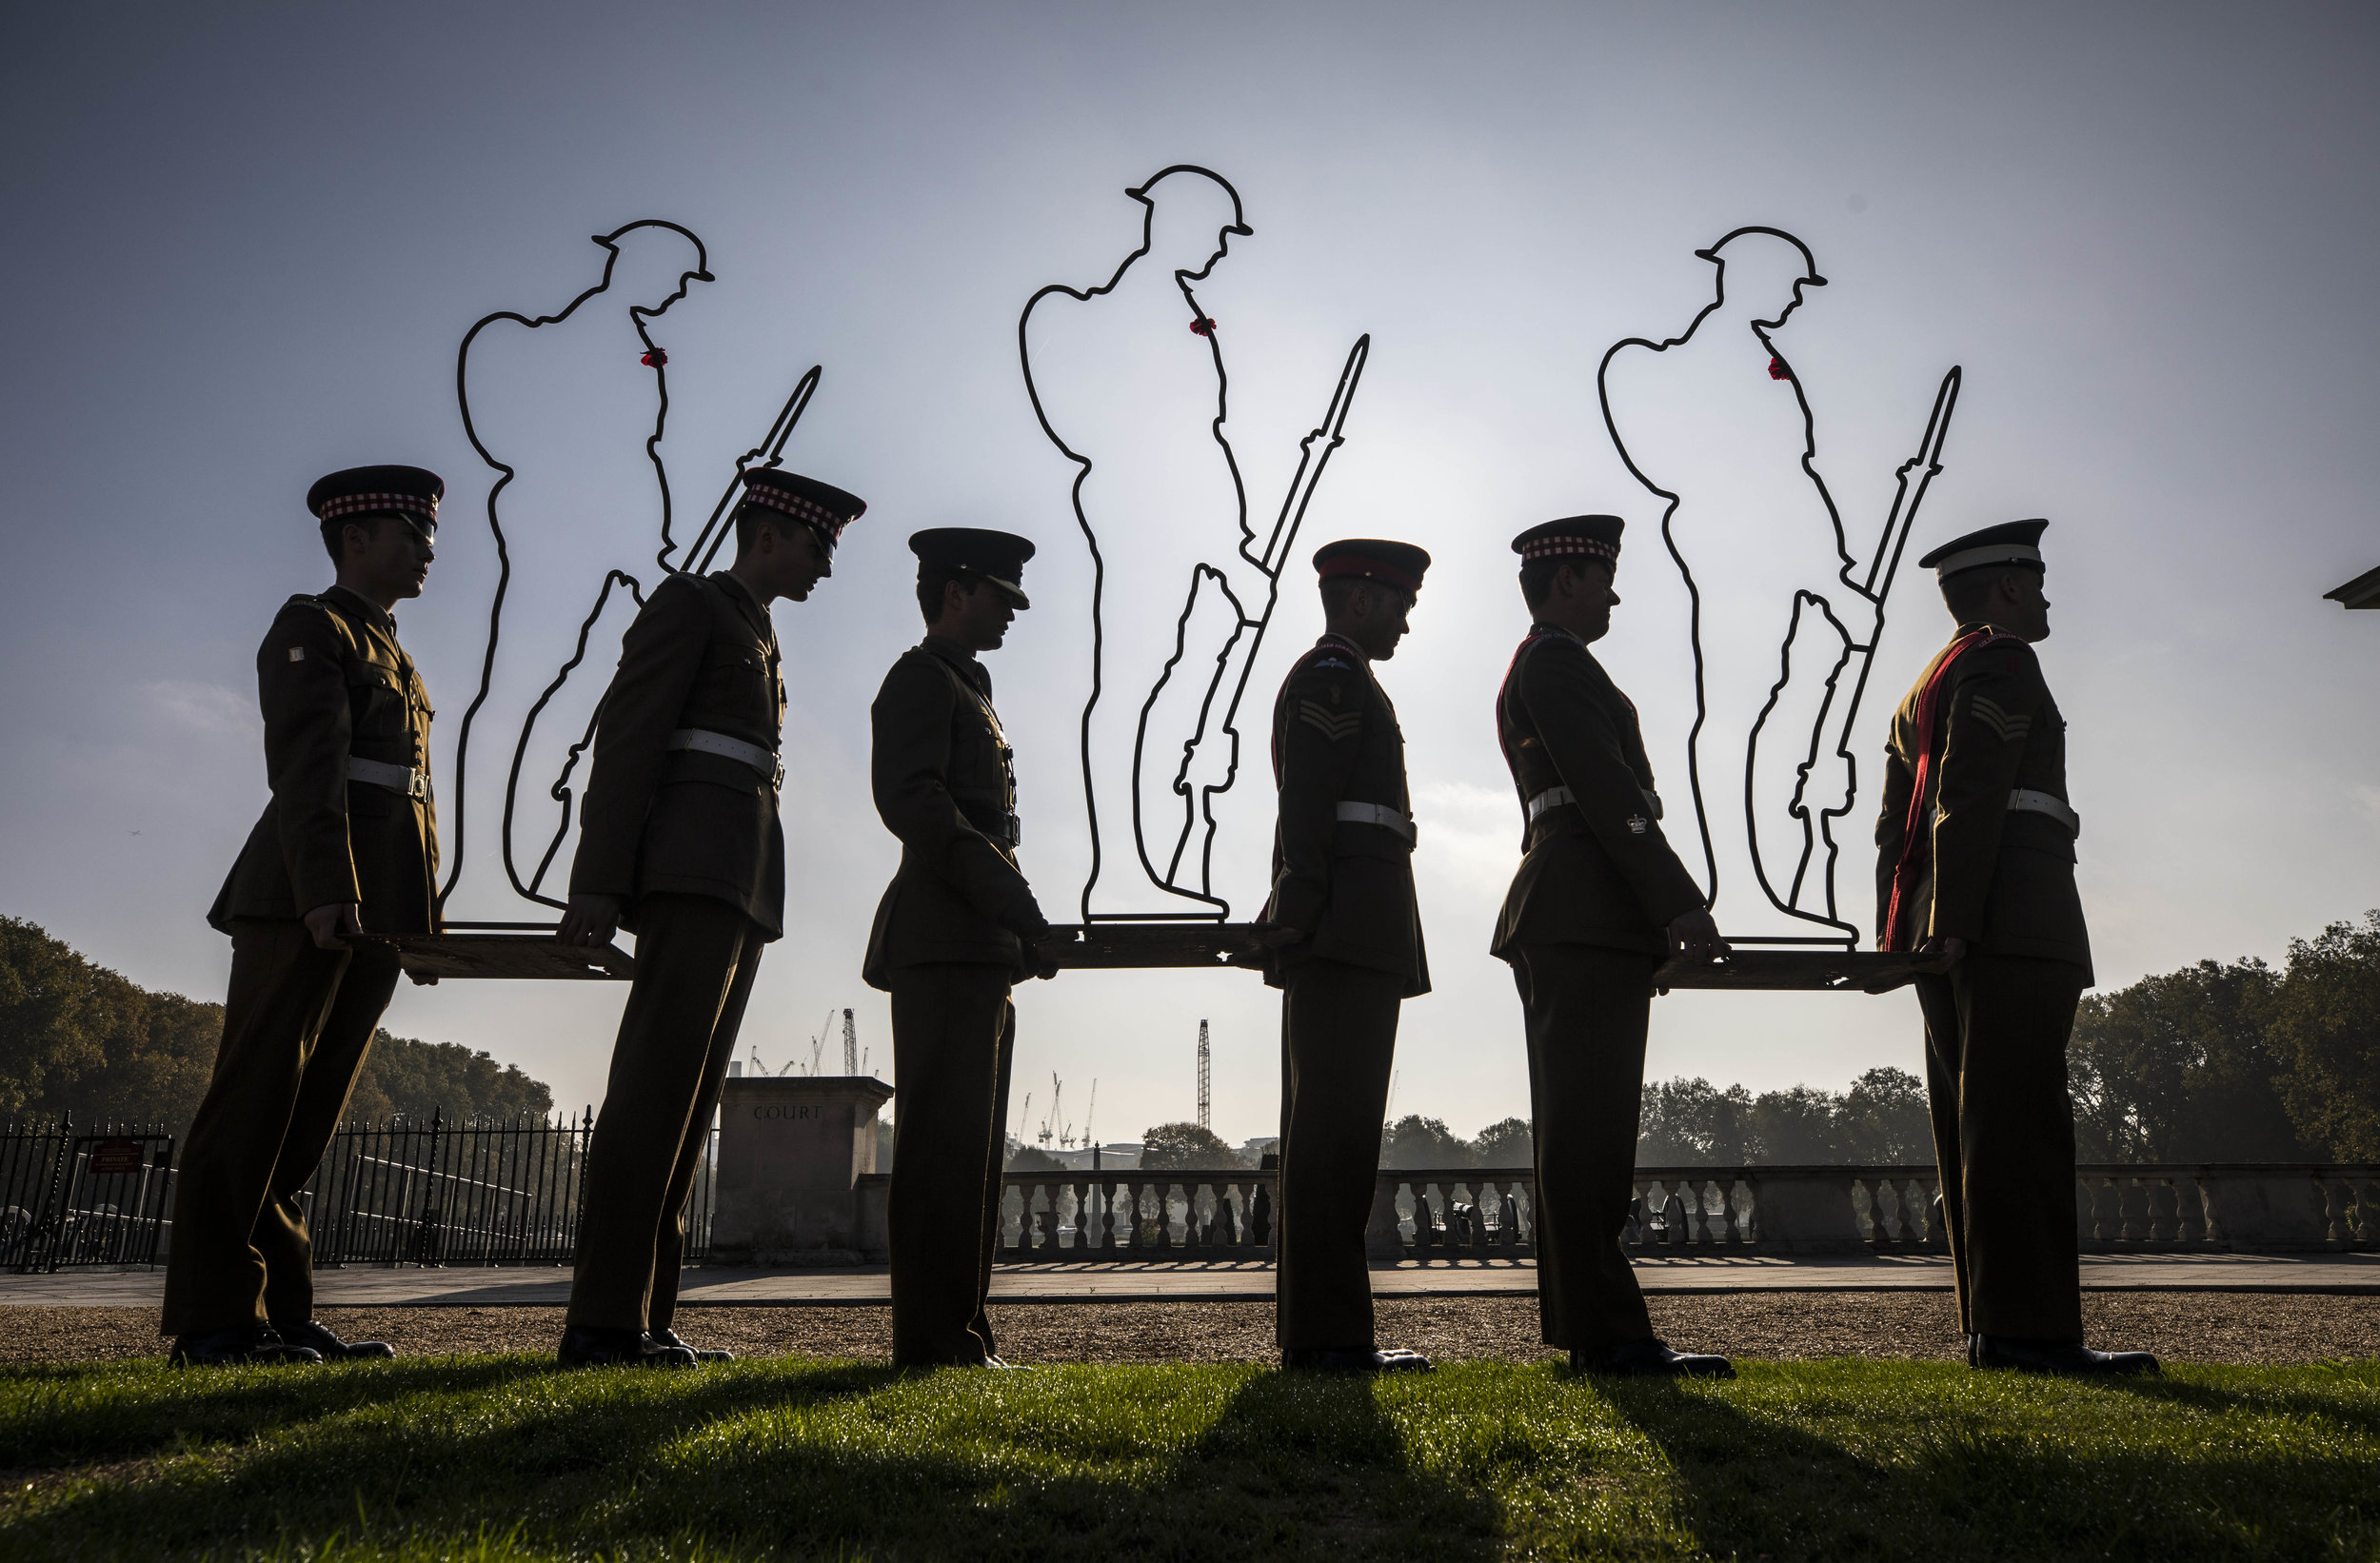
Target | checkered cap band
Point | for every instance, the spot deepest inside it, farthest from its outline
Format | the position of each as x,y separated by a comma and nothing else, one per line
796,506
356,504
1549,547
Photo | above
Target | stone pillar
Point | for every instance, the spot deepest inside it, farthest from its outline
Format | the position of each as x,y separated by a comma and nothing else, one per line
1805,1210
2267,1209
792,1149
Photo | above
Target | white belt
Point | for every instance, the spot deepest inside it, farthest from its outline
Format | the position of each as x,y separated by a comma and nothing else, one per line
2026,800
1377,814
401,779
760,759
1553,798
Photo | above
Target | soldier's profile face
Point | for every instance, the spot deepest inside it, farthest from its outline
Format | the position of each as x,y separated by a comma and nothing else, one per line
800,561
1379,613
396,554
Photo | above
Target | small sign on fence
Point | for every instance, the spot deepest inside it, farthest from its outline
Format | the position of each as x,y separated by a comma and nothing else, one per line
113,1158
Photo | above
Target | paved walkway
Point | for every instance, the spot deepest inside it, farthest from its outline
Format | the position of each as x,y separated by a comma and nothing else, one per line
870,1284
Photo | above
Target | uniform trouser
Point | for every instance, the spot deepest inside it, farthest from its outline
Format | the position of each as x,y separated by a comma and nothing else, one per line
1997,1029
1338,1037
296,1024
954,1037
1586,1011
695,961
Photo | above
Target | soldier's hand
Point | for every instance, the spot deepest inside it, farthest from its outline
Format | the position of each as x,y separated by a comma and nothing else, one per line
590,921
1277,936
335,924
1041,950
1695,937
1944,954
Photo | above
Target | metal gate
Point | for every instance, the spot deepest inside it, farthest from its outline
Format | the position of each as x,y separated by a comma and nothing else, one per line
95,1197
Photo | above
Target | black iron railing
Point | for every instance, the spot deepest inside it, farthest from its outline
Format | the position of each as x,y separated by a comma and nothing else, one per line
83,1197
480,1192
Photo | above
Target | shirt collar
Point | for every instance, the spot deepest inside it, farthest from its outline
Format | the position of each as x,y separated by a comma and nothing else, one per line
750,605
1332,636
371,613
1542,628
960,656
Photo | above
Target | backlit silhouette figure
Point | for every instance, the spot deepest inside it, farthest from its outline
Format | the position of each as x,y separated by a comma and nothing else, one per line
1784,618
1127,378
582,522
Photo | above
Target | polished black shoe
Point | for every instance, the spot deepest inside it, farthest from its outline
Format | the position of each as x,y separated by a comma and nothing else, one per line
243,1345
670,1337
316,1335
2071,1358
1352,1359
1649,1358
586,1347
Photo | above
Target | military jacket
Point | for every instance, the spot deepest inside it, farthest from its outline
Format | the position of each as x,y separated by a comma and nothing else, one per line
701,657
1345,884
1596,870
334,683
945,785
2000,879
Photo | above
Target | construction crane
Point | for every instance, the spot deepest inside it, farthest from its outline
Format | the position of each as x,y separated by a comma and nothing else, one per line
1206,1099
850,1044
1056,1089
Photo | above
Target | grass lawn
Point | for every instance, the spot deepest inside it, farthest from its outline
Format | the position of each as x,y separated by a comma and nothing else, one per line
505,1457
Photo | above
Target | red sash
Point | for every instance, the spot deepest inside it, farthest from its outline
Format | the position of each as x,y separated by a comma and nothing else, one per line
1929,723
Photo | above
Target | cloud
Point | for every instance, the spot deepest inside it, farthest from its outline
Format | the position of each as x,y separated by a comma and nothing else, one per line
200,707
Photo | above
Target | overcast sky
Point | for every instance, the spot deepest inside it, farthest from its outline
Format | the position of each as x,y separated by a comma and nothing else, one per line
242,243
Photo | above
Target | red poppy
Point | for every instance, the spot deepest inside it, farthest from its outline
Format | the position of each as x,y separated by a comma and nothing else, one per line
1204,325
654,359
1777,370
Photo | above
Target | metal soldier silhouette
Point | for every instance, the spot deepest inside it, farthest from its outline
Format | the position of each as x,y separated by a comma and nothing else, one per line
1128,381
1784,617
576,557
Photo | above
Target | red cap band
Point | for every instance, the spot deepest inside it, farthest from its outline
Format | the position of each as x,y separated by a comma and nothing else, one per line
357,504
1549,547
796,506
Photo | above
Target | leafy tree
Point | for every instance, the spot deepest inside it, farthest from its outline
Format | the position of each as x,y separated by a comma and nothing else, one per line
78,1038
2179,1067
1508,1142
2326,1034
402,1077
1886,1121
1416,1142
1693,1123
55,1009
1799,1127
1184,1147
1026,1158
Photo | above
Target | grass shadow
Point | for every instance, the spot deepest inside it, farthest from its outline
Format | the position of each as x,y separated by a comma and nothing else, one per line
474,1452
2001,1466
65,1414
848,1461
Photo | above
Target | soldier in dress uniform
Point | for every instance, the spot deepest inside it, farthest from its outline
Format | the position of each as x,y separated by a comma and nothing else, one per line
1976,872
957,928
1600,900
347,846
1343,944
680,842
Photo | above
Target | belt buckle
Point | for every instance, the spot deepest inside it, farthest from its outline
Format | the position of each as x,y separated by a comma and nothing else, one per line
777,778
417,784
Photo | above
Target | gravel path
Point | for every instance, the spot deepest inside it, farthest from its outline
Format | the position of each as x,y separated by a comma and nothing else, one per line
2178,1326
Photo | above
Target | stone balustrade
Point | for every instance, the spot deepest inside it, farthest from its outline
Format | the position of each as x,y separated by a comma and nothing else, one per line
1486,1213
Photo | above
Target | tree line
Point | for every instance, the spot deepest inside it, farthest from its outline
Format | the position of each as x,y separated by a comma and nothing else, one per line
76,1037
2215,1063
